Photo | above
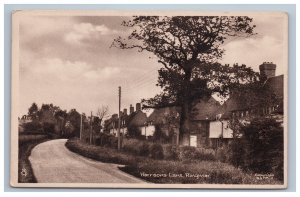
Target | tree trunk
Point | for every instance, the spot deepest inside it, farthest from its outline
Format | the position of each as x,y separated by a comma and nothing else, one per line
184,129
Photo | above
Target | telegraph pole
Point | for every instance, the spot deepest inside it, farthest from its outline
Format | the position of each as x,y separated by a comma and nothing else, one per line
80,127
119,122
91,127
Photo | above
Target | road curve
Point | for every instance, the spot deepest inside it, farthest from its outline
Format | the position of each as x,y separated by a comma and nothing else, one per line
52,162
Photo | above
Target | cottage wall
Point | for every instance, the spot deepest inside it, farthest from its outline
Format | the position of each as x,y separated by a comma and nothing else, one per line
216,128
199,134
148,130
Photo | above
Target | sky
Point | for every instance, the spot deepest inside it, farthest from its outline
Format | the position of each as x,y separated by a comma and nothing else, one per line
68,61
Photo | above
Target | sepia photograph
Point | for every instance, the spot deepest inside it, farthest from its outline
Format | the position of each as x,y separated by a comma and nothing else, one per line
152,99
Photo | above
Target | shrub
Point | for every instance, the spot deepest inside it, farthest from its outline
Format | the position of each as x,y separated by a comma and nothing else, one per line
222,154
156,151
260,149
31,139
187,153
48,127
264,143
237,152
113,142
33,126
106,140
100,153
170,152
134,131
144,149
131,146
136,147
203,154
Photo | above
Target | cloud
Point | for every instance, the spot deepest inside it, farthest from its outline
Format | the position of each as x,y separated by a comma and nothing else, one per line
33,27
87,31
254,51
103,73
65,70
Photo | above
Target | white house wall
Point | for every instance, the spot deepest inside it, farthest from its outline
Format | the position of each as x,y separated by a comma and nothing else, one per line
148,130
215,130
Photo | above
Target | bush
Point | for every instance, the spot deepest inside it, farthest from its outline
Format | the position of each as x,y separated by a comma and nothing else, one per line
156,151
144,149
106,140
100,153
264,143
134,131
189,153
136,147
131,146
171,152
222,154
31,139
112,142
48,127
237,152
33,126
260,149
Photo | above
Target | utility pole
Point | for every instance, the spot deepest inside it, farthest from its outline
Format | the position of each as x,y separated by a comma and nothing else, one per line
80,135
91,127
119,122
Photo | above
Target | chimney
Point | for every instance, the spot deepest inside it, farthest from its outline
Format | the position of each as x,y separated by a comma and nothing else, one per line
138,107
267,69
125,111
131,109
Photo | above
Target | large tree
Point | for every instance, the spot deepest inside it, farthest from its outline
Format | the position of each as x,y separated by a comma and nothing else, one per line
33,111
188,47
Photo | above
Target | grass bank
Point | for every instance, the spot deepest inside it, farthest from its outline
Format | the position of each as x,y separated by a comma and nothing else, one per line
26,143
168,171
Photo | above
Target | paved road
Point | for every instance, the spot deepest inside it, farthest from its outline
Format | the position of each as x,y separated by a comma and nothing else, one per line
52,162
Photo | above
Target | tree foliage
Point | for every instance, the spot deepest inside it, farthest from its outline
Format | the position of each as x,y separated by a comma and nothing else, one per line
260,147
188,47
33,111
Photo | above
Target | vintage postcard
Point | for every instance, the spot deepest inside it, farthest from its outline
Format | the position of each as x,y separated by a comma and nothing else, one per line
158,99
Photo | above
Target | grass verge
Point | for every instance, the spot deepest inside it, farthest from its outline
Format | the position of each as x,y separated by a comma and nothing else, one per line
26,143
168,171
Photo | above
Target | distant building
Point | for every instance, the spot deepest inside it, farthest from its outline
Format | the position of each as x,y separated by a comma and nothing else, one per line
135,118
166,120
238,106
204,127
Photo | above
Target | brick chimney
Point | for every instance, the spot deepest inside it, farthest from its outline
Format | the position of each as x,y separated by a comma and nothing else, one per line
125,111
138,107
267,69
131,109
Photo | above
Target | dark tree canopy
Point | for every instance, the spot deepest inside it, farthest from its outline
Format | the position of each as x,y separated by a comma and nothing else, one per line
33,111
183,41
189,48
